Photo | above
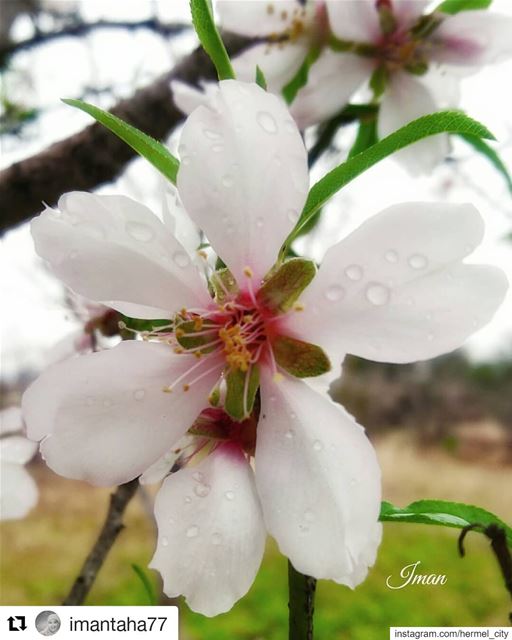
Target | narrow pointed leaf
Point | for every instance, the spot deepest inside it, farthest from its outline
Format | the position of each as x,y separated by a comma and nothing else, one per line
366,136
261,81
455,6
146,146
443,513
300,79
432,124
209,37
493,157
146,583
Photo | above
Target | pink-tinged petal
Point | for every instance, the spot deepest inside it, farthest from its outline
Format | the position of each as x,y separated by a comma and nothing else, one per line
106,417
17,449
114,250
211,536
318,480
255,18
355,20
278,61
11,420
331,82
257,178
472,38
407,98
187,97
18,491
401,296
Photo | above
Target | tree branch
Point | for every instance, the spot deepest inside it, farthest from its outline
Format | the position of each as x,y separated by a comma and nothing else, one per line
84,28
95,156
111,529
301,604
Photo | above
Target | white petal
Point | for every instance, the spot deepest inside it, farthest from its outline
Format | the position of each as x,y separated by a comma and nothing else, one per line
11,420
472,38
318,480
407,12
395,290
187,97
17,449
356,20
18,491
114,250
162,467
331,82
211,536
279,62
263,17
106,414
257,178
404,100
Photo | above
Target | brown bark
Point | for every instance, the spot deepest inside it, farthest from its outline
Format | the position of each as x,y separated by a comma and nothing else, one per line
95,156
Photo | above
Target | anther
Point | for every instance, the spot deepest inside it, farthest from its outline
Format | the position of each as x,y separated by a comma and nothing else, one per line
186,387
277,377
298,306
248,272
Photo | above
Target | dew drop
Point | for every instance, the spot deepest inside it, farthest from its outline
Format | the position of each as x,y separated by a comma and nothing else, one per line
353,482
202,490
430,337
198,476
391,256
309,516
139,231
417,261
267,122
229,495
289,434
186,160
165,541
73,255
187,500
259,222
212,135
182,149
192,532
139,394
377,294
216,539
181,259
354,272
290,126
334,293
217,148
228,180
292,215
303,528
317,445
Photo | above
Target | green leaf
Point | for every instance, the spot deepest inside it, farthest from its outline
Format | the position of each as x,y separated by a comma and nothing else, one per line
443,513
432,124
487,151
300,359
146,146
366,136
455,6
261,81
236,388
285,285
146,583
300,79
209,37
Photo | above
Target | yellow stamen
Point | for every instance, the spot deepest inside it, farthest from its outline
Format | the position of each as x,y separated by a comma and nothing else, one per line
248,272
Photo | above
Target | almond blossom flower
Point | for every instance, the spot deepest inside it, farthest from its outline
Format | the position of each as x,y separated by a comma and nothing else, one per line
18,491
110,416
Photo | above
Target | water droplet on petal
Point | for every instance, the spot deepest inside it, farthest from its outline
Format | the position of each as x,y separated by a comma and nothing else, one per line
334,293
391,256
354,272
217,148
229,495
182,149
417,261
290,126
216,539
289,434
309,516
139,231
377,294
317,445
212,135
181,259
293,215
192,532
228,180
266,121
353,482
303,528
198,476
430,337
186,160
139,394
202,490
260,222
187,499
165,541
73,255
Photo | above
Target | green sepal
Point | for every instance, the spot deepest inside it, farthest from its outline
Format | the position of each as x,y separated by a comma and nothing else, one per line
300,359
135,324
387,20
234,404
223,281
261,81
192,341
426,26
379,81
455,6
417,68
300,79
283,288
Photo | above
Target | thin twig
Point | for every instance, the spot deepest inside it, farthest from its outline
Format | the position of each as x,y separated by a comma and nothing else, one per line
301,604
111,529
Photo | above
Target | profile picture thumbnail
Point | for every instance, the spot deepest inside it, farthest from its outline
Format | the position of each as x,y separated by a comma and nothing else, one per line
47,623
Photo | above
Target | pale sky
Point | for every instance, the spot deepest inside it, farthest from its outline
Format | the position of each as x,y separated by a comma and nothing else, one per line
33,316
